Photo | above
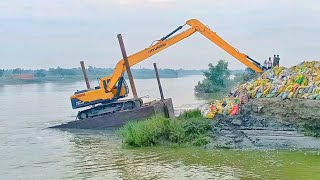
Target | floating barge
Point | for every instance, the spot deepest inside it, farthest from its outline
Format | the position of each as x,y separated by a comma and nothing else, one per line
118,119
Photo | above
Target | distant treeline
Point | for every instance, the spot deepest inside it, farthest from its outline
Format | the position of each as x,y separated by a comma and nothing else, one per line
94,72
21,76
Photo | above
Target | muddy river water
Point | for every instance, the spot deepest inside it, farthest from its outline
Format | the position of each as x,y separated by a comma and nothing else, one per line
31,151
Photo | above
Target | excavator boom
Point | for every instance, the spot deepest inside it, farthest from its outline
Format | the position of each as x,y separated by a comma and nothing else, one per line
146,53
165,42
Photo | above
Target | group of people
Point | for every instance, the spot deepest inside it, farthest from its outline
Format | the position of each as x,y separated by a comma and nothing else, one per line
272,63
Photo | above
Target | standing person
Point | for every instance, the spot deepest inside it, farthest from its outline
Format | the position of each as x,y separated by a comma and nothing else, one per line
269,66
264,67
278,60
274,62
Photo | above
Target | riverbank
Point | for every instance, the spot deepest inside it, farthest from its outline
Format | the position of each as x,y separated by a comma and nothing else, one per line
270,124
266,124
278,110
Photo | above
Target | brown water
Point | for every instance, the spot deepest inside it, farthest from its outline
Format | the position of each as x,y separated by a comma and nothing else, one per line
31,151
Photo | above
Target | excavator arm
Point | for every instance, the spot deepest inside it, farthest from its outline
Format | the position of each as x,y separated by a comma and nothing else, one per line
165,42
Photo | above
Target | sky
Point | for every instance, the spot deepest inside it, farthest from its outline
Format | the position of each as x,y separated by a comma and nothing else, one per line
41,34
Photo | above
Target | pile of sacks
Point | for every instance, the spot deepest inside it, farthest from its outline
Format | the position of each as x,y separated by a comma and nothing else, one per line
300,81
227,106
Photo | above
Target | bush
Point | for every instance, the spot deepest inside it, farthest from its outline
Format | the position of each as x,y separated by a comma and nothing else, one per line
248,75
191,114
206,87
311,128
188,129
144,133
176,132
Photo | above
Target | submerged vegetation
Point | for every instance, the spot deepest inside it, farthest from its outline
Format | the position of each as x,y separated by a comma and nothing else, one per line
189,129
311,128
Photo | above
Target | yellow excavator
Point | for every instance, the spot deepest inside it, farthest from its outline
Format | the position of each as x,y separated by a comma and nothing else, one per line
105,98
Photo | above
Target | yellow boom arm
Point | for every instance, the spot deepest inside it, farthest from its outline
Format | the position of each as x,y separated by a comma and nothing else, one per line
165,43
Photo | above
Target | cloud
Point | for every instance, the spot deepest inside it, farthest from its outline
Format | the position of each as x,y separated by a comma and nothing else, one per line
62,32
74,9
92,9
154,3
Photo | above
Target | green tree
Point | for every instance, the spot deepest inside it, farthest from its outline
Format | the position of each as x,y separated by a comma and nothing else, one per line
91,70
57,71
17,71
40,73
1,72
215,78
218,74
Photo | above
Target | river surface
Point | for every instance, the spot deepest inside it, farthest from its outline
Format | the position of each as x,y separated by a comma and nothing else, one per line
29,150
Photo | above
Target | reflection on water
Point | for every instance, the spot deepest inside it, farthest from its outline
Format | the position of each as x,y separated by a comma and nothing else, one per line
99,154
31,151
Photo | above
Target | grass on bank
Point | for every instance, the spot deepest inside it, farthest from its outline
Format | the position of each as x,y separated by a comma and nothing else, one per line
190,129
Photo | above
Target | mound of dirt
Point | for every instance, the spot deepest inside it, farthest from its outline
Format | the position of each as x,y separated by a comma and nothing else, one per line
290,110
270,123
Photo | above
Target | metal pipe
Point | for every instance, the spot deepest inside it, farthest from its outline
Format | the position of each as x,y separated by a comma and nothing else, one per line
126,62
85,76
170,34
158,79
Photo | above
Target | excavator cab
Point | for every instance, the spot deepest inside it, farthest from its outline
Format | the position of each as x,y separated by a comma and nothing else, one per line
83,98
104,101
